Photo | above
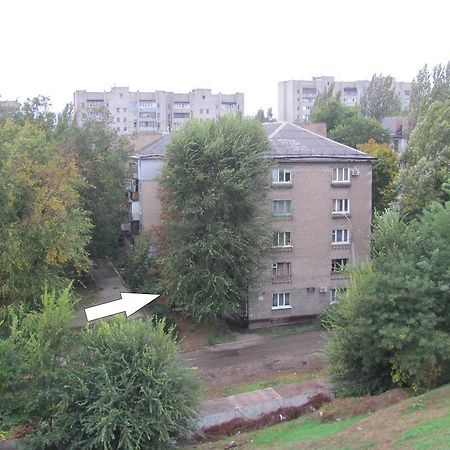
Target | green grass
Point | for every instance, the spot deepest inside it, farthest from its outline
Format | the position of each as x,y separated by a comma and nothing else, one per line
288,330
300,430
432,434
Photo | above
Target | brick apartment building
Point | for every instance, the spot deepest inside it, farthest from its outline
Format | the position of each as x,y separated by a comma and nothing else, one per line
320,205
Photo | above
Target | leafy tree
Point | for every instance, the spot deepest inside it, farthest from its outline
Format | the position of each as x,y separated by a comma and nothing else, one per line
427,88
379,99
384,174
358,129
102,157
43,232
391,327
331,111
260,116
124,389
426,173
30,360
214,184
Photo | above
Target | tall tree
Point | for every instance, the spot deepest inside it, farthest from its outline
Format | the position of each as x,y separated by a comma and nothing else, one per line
103,158
332,112
384,173
380,99
44,231
260,116
214,185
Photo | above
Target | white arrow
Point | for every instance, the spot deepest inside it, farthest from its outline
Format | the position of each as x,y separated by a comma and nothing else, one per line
129,304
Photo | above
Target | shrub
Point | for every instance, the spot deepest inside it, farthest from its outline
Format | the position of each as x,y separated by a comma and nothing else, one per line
125,390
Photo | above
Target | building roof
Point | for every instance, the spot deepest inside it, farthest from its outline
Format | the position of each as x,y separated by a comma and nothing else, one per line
292,141
287,141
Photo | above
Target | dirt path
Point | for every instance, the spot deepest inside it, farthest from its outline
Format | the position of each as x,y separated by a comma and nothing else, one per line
254,357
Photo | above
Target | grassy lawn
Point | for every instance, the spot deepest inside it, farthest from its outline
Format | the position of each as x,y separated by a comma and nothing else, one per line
417,423
286,330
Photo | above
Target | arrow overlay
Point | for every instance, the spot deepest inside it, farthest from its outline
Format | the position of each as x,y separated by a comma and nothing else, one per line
129,303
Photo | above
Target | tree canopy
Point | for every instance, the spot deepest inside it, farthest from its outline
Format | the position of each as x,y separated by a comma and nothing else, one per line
214,184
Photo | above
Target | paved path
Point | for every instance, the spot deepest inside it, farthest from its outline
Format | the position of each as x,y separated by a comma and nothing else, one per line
109,286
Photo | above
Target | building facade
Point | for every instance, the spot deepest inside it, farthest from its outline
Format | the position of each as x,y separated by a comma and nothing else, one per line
296,97
154,112
320,208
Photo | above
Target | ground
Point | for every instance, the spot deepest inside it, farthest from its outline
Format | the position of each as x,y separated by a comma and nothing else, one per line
254,357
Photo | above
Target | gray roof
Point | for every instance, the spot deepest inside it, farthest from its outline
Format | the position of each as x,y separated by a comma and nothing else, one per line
287,141
291,141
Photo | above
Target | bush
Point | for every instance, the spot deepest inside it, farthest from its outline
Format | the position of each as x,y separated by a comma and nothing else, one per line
125,390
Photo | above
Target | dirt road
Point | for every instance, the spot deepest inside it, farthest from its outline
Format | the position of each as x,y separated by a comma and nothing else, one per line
254,357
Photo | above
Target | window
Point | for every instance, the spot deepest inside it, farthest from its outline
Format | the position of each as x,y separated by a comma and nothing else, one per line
282,239
341,175
181,105
118,119
147,104
185,115
336,293
309,91
147,114
125,110
340,236
281,269
341,206
281,207
281,176
150,123
310,290
337,265
201,111
117,109
207,111
124,119
281,300
95,103
229,105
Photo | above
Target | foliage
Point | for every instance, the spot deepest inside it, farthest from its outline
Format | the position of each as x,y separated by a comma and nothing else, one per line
261,117
426,89
30,359
426,173
357,129
384,174
379,99
124,389
214,186
43,232
103,158
391,326
331,111
139,269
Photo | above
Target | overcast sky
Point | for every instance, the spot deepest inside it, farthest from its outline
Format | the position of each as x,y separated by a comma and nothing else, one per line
54,47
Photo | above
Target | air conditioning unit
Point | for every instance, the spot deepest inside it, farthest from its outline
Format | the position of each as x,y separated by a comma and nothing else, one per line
323,290
355,172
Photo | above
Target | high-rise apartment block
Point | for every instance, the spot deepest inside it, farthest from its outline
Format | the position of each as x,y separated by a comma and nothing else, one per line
296,97
154,112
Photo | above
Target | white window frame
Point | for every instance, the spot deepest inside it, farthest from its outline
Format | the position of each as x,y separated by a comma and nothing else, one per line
335,294
341,206
282,239
277,266
340,236
341,175
281,300
287,211
281,176
337,267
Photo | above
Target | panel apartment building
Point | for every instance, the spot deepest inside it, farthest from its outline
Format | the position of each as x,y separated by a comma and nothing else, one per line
320,207
154,112
296,97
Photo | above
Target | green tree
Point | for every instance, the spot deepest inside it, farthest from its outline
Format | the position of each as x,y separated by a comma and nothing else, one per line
214,186
260,116
391,327
425,176
44,232
331,111
124,389
379,99
103,159
358,129
384,174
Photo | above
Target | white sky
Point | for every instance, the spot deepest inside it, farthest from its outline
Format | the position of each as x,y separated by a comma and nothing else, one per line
54,47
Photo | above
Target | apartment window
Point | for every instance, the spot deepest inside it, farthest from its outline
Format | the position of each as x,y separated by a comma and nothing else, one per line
281,176
281,269
147,104
201,111
118,119
229,105
117,109
147,114
207,111
95,103
281,300
338,265
147,124
124,119
124,110
341,206
124,128
181,105
282,239
282,207
350,91
185,115
335,295
340,236
341,175
309,91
